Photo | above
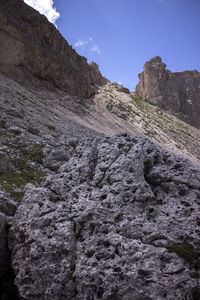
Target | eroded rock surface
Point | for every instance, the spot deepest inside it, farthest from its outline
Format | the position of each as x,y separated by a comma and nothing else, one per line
177,92
120,220
35,53
5,164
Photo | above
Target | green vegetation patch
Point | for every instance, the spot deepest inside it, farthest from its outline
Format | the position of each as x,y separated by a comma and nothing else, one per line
109,107
90,176
35,153
183,250
15,181
121,107
139,102
195,276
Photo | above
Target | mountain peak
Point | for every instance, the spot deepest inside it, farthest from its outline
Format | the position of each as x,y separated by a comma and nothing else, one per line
177,93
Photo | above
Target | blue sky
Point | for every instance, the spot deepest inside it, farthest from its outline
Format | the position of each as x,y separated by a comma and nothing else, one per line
121,35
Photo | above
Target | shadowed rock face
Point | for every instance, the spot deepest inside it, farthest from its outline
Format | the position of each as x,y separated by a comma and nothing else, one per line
7,289
35,53
120,220
177,92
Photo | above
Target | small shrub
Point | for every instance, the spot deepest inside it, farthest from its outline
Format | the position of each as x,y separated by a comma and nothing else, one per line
183,250
109,107
51,127
90,176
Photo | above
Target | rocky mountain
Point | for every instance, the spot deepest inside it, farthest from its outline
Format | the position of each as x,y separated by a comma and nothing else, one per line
35,53
99,196
178,93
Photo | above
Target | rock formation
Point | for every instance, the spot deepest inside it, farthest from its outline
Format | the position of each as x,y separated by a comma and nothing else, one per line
177,92
111,218
35,53
120,220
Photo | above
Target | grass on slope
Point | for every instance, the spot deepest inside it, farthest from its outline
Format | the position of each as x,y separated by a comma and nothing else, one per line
15,181
158,125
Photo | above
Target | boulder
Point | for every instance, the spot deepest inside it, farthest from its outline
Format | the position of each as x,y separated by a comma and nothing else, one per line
55,157
5,164
119,220
16,112
7,206
15,129
120,87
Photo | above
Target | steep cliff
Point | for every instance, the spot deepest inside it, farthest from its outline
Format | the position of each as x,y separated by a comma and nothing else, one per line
177,92
35,53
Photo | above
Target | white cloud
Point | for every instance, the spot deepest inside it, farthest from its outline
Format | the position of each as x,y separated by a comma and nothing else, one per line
95,48
87,45
80,43
46,8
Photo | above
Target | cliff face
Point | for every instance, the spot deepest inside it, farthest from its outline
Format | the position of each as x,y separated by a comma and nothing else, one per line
35,53
177,92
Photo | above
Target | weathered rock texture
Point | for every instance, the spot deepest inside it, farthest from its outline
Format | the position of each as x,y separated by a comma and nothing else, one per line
35,53
120,220
5,164
177,92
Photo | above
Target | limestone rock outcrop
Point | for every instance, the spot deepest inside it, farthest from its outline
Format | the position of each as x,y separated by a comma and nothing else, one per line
120,220
177,92
35,53
5,164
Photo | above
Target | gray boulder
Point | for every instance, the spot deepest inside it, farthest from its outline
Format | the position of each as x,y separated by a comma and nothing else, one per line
16,112
5,164
15,129
120,220
120,87
55,157
7,206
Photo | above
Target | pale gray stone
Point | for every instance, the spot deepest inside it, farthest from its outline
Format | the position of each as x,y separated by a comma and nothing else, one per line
108,226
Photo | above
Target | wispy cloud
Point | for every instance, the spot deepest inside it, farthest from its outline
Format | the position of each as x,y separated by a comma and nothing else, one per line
88,45
46,8
80,43
95,48
160,1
